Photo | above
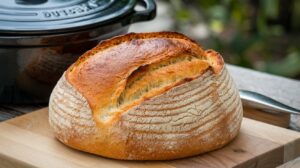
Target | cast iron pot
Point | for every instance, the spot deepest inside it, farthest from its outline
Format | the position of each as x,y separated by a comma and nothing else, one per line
40,39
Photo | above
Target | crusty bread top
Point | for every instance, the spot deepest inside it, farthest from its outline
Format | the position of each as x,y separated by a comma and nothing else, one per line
124,71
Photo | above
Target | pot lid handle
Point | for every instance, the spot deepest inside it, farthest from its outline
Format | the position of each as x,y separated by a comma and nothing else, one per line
144,15
30,2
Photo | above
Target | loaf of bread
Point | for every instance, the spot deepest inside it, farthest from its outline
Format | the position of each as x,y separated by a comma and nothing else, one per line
147,96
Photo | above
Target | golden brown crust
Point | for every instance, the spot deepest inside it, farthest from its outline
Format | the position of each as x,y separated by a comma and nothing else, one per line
168,99
101,73
128,37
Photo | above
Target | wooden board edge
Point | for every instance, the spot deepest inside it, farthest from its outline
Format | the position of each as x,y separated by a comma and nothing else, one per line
292,150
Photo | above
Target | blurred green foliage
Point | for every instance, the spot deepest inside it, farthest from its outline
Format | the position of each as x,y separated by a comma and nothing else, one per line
259,34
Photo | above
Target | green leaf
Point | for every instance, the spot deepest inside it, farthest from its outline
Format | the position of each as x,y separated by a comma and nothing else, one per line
270,8
183,15
218,12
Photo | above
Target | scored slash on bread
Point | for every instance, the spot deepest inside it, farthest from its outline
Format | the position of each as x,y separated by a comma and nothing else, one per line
104,71
147,96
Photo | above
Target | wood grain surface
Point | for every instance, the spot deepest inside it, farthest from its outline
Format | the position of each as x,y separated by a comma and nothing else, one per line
28,141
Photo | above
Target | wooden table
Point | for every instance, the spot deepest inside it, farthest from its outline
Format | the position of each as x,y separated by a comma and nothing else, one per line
11,111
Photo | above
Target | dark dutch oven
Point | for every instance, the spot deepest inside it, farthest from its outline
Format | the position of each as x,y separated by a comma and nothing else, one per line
39,39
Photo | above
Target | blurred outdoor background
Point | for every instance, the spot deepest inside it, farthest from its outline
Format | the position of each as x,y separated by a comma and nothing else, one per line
260,34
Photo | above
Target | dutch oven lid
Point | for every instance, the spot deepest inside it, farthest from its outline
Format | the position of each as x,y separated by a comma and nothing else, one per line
55,16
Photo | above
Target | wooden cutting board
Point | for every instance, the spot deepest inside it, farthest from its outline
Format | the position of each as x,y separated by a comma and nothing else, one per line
28,141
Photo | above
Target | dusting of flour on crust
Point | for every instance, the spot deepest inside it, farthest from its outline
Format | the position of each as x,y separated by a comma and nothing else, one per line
69,112
193,110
